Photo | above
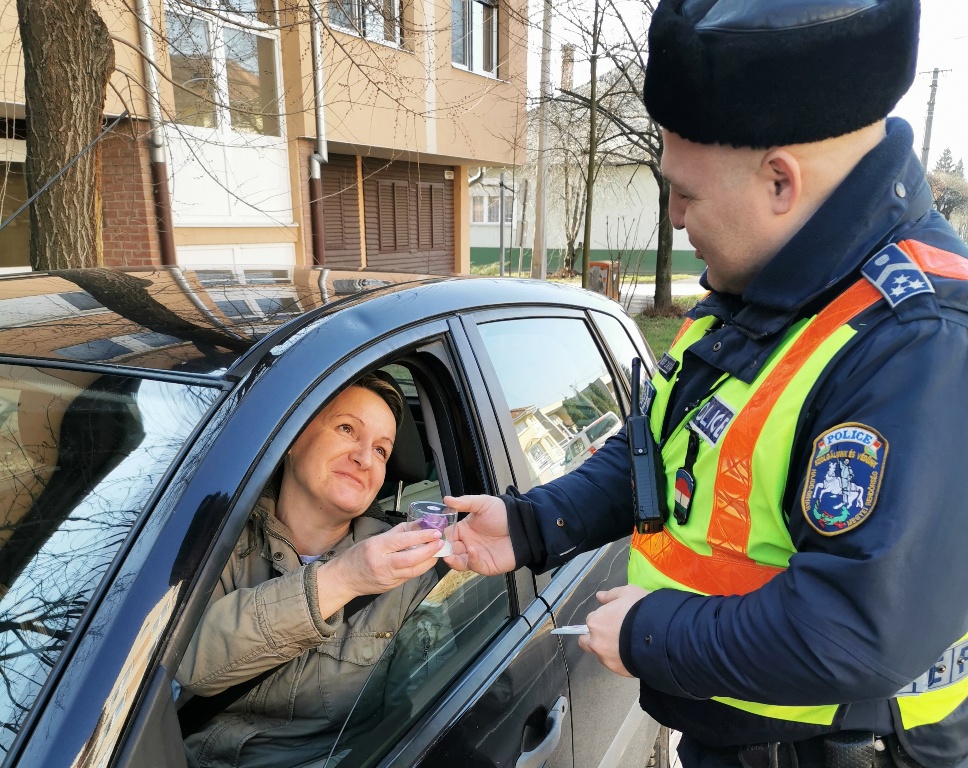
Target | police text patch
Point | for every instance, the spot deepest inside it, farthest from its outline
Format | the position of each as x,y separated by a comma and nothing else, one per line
844,477
712,420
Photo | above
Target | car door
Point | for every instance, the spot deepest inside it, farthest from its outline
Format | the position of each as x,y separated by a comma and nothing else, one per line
552,374
500,697
502,689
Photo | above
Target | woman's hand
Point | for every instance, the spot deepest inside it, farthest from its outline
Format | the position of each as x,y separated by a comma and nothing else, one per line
376,565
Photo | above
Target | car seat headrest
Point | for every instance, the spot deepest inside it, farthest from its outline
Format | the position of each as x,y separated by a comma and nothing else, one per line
407,459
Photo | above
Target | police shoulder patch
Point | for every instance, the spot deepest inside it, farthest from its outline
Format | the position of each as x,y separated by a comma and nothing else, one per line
844,478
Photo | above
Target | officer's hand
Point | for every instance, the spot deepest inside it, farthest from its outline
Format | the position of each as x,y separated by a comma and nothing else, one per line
481,540
605,625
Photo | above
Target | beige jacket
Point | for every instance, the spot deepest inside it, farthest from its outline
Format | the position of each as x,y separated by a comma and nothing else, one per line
255,622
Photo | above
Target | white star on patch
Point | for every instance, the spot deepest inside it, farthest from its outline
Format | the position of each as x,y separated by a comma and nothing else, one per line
915,284
900,281
899,290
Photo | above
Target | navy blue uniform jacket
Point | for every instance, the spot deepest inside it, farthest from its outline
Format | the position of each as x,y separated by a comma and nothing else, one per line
859,615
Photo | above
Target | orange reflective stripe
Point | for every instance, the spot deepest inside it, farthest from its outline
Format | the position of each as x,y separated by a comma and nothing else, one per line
935,260
682,330
729,526
718,574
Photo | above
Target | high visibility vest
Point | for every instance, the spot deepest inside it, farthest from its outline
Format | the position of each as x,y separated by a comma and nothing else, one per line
736,538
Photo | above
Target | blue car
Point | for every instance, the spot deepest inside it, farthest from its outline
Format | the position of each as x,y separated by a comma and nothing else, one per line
143,413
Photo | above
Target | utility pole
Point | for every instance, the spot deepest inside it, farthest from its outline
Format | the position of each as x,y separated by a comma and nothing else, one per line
592,147
539,250
501,219
930,117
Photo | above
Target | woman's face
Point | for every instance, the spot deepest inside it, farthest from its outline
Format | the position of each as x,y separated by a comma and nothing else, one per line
339,461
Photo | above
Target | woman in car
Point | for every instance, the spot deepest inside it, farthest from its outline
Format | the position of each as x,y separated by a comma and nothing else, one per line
290,602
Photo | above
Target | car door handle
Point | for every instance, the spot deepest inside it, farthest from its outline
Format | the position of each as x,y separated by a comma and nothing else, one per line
540,754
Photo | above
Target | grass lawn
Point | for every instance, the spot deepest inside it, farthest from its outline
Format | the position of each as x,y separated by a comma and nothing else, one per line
660,329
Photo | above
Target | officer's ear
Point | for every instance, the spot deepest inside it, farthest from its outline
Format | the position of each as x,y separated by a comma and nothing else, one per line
782,172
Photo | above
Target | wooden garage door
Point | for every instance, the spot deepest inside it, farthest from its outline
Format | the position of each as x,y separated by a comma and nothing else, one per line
409,215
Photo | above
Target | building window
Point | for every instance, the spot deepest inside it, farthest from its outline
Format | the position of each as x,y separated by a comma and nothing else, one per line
486,209
377,20
477,209
474,35
493,209
224,57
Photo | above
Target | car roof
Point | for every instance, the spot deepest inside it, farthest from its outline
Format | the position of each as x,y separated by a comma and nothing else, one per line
206,322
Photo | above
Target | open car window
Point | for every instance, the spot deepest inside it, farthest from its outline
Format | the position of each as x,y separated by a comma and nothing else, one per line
453,623
84,453
447,618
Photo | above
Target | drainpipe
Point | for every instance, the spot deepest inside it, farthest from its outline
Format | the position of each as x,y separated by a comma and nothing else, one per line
321,155
156,138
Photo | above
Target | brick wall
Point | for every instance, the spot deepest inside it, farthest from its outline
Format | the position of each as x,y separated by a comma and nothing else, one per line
130,229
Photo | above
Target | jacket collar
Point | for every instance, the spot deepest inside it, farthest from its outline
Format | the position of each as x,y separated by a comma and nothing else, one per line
884,194
279,537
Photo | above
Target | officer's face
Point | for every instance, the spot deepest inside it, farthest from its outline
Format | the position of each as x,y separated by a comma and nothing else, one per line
719,196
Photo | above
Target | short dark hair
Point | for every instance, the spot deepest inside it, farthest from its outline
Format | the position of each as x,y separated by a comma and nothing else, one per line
387,392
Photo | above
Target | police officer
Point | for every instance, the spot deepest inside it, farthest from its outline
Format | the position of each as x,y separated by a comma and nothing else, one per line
808,603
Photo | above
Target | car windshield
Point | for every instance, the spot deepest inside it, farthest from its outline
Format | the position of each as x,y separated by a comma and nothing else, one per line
82,454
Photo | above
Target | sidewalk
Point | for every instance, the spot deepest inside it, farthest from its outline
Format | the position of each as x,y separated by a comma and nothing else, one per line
642,295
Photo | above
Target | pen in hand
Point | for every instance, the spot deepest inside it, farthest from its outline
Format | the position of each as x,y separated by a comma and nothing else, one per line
571,629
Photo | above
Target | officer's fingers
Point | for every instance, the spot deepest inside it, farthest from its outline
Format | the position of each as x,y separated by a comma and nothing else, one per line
608,596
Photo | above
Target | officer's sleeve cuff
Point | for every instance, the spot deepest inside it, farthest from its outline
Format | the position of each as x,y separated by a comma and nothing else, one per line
645,636
526,540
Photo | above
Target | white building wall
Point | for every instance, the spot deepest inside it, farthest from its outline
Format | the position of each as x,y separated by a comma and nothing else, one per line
625,212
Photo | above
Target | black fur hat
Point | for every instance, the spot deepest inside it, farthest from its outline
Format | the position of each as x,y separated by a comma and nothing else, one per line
765,73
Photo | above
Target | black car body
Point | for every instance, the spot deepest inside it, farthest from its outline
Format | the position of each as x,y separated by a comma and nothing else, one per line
145,412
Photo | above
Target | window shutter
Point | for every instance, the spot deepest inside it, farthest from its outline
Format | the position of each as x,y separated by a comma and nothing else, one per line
386,210
439,218
401,202
334,213
425,216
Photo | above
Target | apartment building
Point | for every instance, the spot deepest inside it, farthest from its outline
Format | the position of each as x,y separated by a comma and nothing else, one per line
290,132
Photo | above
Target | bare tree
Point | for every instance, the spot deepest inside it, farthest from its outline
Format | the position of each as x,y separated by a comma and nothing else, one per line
949,188
68,58
627,136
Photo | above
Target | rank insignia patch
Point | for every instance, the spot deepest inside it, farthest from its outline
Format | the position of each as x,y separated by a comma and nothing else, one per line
844,478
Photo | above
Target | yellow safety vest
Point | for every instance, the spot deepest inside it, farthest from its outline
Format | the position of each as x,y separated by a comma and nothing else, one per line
737,538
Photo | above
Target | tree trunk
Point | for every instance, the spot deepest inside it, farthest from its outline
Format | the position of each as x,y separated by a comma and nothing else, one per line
68,58
663,255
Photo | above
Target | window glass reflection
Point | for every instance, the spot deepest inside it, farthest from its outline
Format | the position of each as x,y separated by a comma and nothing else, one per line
251,72
81,457
561,396
191,70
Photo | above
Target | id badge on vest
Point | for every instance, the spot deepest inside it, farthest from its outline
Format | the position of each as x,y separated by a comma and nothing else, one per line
708,424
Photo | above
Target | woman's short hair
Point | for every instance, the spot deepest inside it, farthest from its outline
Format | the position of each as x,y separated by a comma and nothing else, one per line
387,392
